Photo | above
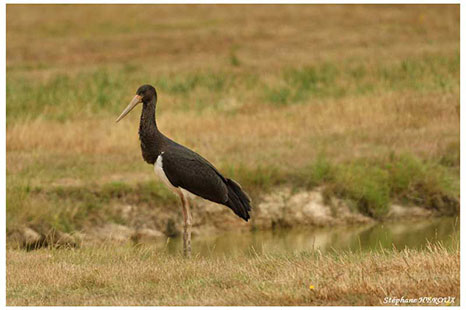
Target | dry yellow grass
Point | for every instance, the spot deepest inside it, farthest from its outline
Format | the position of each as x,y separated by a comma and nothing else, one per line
345,129
267,40
138,276
184,37
250,88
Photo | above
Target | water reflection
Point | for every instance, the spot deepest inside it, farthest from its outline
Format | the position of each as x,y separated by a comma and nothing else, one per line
410,234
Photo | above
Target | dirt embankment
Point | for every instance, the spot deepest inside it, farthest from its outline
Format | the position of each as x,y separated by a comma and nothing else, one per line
283,207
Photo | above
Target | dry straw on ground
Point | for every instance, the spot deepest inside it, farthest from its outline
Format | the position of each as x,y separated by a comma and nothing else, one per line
140,276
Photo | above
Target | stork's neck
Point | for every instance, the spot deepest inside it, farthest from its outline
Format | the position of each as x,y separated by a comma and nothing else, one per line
149,134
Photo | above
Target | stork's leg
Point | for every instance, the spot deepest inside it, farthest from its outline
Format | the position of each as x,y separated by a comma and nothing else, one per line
187,225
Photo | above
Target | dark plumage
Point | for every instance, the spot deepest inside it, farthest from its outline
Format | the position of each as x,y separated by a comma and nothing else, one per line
183,167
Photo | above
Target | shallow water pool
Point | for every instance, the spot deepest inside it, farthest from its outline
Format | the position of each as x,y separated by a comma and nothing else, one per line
400,234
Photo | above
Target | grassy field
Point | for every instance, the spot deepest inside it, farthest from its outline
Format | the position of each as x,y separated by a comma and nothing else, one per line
139,276
268,96
362,101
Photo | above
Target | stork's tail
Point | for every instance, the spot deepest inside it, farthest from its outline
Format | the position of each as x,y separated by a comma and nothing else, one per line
238,200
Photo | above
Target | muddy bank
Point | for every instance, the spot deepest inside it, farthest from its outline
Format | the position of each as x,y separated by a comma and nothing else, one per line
283,207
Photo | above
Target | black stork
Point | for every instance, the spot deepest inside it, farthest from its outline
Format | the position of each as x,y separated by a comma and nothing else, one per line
181,169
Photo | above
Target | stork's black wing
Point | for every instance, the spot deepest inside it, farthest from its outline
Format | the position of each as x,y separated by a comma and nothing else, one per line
187,169
190,171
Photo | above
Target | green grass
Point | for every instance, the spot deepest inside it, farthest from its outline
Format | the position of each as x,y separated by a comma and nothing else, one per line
64,97
369,185
373,185
354,78
69,208
67,96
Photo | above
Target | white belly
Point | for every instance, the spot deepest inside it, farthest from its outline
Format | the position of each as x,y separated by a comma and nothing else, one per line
158,168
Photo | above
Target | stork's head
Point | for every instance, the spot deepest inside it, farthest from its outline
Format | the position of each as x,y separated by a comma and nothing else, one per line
145,93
